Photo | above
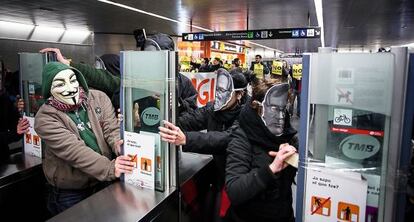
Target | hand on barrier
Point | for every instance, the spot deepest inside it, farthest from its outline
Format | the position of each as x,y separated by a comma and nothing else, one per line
59,55
23,126
123,164
172,134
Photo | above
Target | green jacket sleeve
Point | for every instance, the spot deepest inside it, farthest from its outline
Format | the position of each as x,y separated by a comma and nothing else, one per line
99,79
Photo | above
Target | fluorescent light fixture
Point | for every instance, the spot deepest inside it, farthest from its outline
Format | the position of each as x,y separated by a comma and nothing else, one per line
75,36
153,14
15,30
15,25
47,34
172,20
319,16
409,45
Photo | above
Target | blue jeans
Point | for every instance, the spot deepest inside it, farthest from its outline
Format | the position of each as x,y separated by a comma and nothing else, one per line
59,200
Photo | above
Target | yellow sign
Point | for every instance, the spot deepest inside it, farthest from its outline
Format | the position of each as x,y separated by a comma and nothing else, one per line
258,70
222,48
297,71
277,67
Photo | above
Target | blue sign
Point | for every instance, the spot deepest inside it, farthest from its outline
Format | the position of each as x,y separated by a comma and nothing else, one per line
286,33
295,33
302,33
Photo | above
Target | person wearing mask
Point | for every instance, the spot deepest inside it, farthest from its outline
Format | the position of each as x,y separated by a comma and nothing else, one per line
259,68
256,154
80,132
217,118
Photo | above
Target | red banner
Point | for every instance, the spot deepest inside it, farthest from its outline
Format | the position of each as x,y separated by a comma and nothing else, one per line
357,131
205,84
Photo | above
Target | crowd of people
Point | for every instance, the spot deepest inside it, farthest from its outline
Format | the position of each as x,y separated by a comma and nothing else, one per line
80,131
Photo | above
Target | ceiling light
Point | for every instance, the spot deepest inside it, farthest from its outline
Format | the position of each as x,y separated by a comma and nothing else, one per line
76,36
171,20
153,14
47,34
319,16
15,30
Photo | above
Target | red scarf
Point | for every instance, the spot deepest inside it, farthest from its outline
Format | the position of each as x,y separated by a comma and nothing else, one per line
66,107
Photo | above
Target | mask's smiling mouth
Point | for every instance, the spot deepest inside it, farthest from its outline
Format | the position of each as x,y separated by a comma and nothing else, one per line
69,94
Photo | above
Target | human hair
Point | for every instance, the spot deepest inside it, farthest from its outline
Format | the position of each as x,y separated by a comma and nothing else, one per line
258,56
259,89
236,62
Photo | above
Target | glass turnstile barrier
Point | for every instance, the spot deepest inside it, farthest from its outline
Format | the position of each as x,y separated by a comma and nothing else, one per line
347,136
147,97
31,68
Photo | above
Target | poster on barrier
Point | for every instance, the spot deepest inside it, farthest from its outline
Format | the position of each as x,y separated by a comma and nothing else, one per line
31,142
141,149
205,84
332,196
158,153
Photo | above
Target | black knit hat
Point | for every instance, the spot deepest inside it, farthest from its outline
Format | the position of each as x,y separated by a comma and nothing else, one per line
239,81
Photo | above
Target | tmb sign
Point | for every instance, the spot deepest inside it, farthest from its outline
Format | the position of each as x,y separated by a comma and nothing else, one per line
287,33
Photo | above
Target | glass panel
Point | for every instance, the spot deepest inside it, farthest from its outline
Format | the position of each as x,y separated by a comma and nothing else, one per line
144,103
31,67
350,110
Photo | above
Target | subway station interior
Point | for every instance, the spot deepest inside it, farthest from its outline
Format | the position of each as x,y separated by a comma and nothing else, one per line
207,111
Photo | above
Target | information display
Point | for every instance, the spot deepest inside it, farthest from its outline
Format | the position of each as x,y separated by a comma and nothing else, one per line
262,34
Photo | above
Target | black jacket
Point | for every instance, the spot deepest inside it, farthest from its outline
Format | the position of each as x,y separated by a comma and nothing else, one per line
8,125
215,140
187,94
256,194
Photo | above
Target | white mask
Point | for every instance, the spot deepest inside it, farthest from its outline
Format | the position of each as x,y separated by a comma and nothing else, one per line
65,87
274,108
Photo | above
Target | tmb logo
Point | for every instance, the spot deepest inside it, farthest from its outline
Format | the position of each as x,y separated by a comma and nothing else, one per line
359,147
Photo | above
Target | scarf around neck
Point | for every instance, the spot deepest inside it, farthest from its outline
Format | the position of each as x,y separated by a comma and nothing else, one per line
66,107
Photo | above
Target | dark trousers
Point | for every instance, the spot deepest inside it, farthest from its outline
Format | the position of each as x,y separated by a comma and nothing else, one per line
59,200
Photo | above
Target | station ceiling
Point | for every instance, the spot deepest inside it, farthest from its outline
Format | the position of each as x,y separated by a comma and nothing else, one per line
365,24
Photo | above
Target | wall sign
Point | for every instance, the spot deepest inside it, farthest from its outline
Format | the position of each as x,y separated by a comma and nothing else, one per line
287,33
359,147
151,116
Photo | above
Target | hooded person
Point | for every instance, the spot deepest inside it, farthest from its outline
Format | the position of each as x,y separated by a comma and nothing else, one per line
218,118
111,63
256,155
80,133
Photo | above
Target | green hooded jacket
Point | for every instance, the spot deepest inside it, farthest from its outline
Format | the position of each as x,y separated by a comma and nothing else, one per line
80,117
